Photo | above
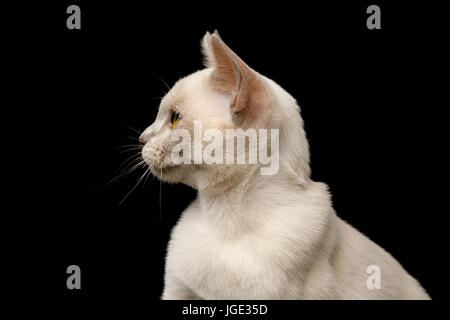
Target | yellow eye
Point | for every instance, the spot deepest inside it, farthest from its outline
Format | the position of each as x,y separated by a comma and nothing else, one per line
175,118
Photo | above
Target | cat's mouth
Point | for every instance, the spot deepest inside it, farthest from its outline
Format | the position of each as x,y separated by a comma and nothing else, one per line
158,164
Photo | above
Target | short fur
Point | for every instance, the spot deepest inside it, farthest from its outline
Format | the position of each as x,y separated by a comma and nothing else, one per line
249,236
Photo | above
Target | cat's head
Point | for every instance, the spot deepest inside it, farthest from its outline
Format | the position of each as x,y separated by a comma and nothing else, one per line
225,96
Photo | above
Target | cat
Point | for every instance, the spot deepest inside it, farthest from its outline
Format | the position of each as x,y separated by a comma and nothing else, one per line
254,236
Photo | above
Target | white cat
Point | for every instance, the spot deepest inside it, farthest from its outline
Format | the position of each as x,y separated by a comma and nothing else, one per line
251,236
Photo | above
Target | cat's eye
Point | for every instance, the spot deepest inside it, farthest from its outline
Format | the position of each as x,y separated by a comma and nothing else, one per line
175,118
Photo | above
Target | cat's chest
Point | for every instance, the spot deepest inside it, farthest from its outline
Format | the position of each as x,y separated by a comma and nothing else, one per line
198,246
215,266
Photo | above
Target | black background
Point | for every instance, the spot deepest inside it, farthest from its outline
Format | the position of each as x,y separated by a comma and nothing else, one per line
367,98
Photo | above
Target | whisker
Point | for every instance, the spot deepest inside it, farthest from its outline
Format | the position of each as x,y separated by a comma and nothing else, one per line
134,166
132,138
122,174
146,176
126,196
135,130
162,80
131,149
149,175
130,159
128,145
160,202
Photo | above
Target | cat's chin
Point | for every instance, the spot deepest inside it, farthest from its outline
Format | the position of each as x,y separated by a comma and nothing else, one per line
169,173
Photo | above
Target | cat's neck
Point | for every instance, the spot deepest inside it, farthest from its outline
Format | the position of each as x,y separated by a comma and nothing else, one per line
237,205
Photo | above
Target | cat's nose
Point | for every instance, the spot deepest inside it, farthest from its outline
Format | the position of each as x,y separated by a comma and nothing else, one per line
143,140
146,135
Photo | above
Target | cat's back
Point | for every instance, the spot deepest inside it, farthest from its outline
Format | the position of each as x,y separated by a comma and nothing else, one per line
357,258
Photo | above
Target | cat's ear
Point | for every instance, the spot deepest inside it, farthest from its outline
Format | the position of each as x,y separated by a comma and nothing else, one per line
231,75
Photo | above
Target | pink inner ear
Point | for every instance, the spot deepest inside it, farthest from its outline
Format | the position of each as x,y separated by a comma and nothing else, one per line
241,95
231,75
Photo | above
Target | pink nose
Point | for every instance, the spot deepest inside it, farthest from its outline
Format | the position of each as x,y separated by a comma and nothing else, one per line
143,140
146,136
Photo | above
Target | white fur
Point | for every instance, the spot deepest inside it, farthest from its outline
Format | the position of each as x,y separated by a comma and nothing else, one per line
249,236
